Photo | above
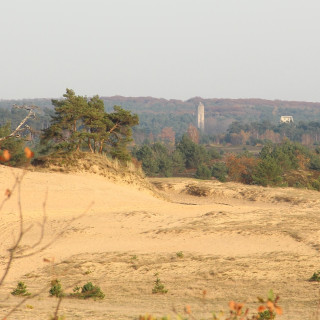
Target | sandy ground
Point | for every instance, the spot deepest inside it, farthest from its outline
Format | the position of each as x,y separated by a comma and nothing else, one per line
237,242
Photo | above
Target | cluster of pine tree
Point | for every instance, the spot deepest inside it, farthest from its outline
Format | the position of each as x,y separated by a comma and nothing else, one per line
77,123
82,124
159,160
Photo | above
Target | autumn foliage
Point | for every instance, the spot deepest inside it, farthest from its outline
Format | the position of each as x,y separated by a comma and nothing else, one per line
5,156
167,135
28,153
240,167
193,134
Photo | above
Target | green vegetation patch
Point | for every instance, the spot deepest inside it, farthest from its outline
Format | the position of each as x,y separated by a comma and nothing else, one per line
87,291
158,286
315,277
21,290
56,289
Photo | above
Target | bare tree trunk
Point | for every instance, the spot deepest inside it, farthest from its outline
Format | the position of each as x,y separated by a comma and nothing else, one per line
101,146
90,146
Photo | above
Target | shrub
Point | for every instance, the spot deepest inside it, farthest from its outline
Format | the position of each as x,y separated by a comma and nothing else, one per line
268,172
214,153
179,254
266,315
56,288
203,172
316,184
88,291
20,290
315,277
315,163
219,170
193,153
241,167
158,286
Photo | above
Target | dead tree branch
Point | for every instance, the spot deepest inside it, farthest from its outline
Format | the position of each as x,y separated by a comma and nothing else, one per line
22,125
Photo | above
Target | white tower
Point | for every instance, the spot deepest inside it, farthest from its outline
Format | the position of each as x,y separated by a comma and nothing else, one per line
200,117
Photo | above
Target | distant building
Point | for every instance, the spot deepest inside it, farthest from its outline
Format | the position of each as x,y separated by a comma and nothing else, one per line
286,119
200,117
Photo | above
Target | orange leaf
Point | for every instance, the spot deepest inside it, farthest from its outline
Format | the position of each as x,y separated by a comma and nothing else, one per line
8,193
29,154
261,308
6,155
187,309
279,310
270,305
239,307
232,305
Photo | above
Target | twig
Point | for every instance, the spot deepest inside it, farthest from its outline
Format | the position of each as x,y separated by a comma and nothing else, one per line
56,237
55,316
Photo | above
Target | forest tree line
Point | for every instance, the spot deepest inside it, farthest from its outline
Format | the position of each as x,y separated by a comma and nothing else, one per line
156,114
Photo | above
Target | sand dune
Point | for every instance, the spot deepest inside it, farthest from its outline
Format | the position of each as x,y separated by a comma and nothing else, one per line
237,242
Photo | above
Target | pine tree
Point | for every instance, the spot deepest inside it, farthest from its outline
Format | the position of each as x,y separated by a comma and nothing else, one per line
82,124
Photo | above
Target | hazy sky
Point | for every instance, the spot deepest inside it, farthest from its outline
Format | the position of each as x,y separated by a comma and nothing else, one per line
162,48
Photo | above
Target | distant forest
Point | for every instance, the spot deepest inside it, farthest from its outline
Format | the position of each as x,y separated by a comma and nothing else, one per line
234,121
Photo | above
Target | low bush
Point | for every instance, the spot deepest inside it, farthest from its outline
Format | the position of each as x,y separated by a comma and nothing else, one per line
315,277
87,291
56,288
158,286
180,254
21,290
219,170
203,172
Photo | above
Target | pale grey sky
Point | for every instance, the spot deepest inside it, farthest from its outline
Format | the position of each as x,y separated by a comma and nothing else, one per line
162,48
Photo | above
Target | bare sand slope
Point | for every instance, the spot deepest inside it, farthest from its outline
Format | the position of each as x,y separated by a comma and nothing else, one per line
237,243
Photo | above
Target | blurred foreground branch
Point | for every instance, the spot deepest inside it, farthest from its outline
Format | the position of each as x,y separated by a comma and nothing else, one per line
16,251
